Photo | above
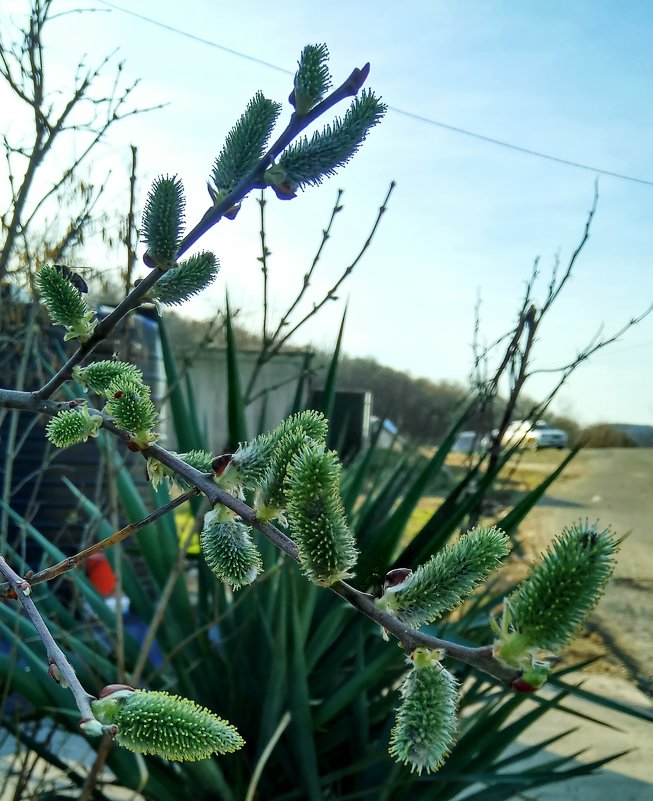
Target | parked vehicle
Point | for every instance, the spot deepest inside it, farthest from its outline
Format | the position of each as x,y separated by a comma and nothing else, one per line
534,435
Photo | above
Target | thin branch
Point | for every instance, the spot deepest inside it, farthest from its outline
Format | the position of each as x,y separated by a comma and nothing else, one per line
331,293
59,667
71,562
594,345
554,291
326,235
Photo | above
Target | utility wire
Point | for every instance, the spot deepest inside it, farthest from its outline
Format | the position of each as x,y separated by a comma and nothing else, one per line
411,115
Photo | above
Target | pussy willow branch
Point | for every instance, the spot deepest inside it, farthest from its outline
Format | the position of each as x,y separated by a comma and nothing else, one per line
253,180
410,639
56,656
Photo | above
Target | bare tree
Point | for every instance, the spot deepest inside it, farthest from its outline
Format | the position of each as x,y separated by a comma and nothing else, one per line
83,115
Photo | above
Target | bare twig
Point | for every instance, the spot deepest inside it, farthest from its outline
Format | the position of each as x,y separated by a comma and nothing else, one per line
60,668
71,562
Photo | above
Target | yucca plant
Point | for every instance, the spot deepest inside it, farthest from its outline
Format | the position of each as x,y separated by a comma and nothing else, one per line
308,683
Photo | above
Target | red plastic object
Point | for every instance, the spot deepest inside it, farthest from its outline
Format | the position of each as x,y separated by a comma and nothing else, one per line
100,574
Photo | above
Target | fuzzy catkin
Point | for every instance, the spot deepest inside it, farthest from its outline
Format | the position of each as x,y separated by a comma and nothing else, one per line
229,551
312,78
98,376
325,544
65,303
151,722
244,145
250,464
72,426
441,584
188,278
308,162
163,220
426,723
130,406
553,600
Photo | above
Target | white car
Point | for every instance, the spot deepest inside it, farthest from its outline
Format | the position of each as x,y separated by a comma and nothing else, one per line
534,435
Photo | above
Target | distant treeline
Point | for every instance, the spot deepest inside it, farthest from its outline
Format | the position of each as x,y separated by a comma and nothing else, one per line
423,410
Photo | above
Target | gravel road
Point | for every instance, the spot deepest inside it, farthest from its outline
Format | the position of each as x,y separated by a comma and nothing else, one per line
615,487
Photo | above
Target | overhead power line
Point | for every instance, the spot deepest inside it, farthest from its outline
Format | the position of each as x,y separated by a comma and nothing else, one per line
411,115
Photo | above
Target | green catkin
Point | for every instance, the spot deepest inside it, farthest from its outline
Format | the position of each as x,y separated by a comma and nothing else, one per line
308,162
229,550
188,278
98,376
316,516
158,472
551,603
163,220
426,723
65,304
271,500
441,584
176,728
250,463
312,79
72,426
244,145
130,407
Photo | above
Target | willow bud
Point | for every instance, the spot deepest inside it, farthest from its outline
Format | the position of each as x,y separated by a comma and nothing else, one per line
229,550
130,406
441,584
72,426
98,376
163,220
65,303
547,608
426,723
325,544
172,727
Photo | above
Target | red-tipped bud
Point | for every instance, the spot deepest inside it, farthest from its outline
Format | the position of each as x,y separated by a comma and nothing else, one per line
110,689
284,191
72,404
118,394
396,577
219,463
133,447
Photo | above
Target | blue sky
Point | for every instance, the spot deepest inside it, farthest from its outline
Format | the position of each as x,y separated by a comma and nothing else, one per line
568,78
